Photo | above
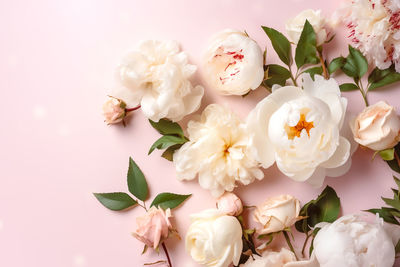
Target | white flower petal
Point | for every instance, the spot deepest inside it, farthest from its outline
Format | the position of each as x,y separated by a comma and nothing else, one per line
341,155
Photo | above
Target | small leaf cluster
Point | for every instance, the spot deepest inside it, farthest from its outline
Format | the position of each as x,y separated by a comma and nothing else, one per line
172,137
137,186
307,53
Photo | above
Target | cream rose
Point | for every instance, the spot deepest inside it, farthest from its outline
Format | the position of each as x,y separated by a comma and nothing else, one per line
156,76
214,239
294,26
114,110
350,241
377,127
230,204
153,227
233,63
218,152
299,129
276,214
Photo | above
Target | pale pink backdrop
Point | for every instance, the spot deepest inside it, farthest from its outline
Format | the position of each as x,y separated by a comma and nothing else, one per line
56,65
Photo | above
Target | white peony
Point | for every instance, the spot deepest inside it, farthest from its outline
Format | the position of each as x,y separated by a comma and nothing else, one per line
377,127
300,131
294,26
233,63
375,29
283,258
214,239
352,242
156,76
218,152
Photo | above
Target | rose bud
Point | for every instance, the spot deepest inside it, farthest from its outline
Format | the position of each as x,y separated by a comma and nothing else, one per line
114,110
230,204
377,127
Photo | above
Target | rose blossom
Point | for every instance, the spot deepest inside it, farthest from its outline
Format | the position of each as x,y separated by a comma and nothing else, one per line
153,227
294,26
214,239
233,63
299,129
375,29
114,110
377,127
156,76
218,152
277,213
350,241
230,204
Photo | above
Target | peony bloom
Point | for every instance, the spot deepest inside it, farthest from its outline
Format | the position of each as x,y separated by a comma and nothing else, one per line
156,75
350,241
230,204
233,63
214,239
377,127
114,110
153,227
375,29
283,258
294,26
300,130
277,213
218,152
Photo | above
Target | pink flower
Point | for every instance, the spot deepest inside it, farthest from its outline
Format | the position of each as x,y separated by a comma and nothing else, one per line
114,110
153,227
230,204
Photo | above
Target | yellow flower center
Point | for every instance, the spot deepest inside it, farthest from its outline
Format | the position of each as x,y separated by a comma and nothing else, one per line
295,131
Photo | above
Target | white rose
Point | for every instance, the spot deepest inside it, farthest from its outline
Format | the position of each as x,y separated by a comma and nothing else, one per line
283,258
350,241
214,239
230,204
233,63
299,129
294,26
114,110
277,213
156,75
218,152
377,127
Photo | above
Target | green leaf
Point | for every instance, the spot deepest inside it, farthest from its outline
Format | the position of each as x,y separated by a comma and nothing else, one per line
397,248
280,44
169,152
356,64
137,184
379,78
168,200
313,71
115,201
387,154
397,181
167,127
391,202
385,214
167,141
306,50
336,64
394,165
276,74
346,87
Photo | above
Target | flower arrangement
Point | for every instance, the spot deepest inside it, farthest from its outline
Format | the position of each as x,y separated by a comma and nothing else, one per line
302,126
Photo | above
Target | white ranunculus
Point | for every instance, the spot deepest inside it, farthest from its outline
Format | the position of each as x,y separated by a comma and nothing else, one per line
214,239
277,213
156,76
375,29
294,26
300,131
218,152
377,127
352,242
233,63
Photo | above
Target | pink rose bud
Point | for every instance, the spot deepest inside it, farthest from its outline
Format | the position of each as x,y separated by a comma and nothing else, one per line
230,204
114,110
153,227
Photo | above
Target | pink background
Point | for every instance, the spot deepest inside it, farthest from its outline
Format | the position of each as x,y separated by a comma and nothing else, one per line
56,64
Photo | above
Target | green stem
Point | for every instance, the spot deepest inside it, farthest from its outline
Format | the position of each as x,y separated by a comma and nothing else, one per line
304,245
363,93
166,253
292,77
289,243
